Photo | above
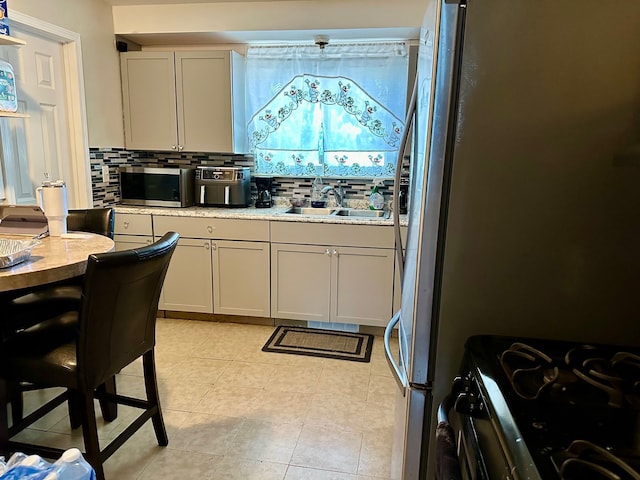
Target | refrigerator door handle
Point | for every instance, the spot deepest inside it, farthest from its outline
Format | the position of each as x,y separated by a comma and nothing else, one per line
398,373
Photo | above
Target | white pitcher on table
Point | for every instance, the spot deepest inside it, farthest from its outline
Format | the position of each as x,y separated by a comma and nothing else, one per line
52,199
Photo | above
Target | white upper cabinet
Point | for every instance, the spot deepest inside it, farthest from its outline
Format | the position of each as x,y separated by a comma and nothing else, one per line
183,101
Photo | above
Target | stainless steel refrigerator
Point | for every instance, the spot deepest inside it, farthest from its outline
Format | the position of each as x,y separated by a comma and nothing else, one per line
524,204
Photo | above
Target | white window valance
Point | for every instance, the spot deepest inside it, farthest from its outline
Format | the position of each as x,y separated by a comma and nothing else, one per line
338,111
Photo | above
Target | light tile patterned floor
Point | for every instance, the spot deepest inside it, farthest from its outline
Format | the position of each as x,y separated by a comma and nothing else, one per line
235,412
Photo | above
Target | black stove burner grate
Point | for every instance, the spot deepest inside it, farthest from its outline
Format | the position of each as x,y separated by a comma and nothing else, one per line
570,403
584,460
584,374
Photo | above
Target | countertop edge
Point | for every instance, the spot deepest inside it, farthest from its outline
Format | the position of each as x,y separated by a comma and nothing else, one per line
276,213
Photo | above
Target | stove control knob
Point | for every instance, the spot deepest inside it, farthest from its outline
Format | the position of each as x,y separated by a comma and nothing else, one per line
458,385
468,404
465,403
462,384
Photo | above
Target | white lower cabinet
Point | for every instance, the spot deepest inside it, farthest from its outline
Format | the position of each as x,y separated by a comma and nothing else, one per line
321,272
300,282
241,278
212,273
127,242
343,283
132,231
362,280
188,284
332,284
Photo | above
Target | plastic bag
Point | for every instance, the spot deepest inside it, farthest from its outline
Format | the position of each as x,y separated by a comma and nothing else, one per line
8,97
70,466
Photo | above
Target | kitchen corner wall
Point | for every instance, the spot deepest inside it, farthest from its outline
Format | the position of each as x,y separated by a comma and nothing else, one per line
108,193
93,20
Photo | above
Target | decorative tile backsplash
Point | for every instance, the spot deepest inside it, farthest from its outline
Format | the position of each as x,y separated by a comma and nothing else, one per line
104,194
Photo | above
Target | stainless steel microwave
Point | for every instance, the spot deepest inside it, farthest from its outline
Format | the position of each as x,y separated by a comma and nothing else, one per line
157,187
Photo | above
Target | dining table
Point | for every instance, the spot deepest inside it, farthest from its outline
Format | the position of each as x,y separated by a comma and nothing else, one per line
53,259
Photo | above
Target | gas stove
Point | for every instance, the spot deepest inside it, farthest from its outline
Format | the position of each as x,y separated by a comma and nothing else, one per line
543,409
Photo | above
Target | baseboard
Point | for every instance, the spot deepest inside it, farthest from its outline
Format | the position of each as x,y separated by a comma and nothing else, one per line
266,321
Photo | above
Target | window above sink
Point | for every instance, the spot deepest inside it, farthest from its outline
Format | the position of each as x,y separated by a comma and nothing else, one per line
336,112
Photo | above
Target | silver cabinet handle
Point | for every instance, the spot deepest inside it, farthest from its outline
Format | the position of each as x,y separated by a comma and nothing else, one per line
214,246
206,245
398,374
126,225
173,147
335,252
327,252
149,242
210,229
180,148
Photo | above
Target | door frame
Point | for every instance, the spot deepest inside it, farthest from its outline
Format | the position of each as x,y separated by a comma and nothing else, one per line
80,185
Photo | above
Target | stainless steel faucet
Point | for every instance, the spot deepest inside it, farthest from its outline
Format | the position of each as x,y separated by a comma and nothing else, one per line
337,193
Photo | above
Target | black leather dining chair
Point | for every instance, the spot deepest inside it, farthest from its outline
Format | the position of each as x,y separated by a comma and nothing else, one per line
116,326
93,220
29,308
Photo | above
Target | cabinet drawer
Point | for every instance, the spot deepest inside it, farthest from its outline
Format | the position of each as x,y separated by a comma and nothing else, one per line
132,224
378,236
127,242
218,228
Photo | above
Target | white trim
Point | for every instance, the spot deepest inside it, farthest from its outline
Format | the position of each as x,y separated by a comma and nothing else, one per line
80,184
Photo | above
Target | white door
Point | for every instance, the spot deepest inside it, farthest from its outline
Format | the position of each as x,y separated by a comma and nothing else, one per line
38,144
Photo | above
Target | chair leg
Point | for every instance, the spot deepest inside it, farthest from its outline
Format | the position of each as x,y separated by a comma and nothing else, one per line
90,432
109,409
74,405
4,418
151,386
14,395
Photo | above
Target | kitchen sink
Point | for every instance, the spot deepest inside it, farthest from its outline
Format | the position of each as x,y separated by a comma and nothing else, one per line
310,211
352,212
337,212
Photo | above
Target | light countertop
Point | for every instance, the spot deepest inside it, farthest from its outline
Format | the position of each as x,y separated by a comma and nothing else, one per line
276,213
54,259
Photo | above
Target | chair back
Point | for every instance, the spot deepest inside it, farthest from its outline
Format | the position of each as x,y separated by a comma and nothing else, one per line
92,220
119,307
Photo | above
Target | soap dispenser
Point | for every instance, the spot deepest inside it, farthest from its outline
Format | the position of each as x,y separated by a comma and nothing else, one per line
376,199
318,199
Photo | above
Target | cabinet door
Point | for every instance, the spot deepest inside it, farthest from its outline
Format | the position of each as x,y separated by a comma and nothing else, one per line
241,278
300,282
149,100
188,284
362,280
127,242
203,90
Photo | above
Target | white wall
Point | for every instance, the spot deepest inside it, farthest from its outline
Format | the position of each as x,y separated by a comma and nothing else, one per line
238,16
96,22
93,20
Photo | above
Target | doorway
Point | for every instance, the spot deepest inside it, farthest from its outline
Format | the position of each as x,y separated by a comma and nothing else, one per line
53,138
